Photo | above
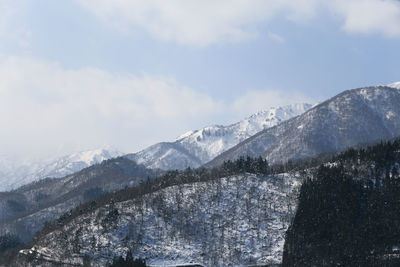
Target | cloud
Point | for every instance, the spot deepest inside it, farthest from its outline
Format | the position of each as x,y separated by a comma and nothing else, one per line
43,106
276,37
369,16
46,108
207,22
13,30
194,22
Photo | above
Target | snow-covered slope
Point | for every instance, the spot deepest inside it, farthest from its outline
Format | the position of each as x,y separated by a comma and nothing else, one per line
14,174
394,85
195,148
234,221
356,116
24,211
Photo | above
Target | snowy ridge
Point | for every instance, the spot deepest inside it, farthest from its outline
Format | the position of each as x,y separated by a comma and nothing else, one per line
234,221
50,198
363,115
195,148
394,85
14,174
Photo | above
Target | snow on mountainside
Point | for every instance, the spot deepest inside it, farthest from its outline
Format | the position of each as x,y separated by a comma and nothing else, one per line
233,221
356,116
195,148
394,85
14,174
24,211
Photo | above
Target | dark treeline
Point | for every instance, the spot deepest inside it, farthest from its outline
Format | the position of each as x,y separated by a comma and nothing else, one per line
9,245
351,167
9,241
189,175
349,213
169,178
128,261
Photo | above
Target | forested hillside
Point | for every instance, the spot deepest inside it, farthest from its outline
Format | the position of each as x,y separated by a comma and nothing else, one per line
349,211
232,215
25,210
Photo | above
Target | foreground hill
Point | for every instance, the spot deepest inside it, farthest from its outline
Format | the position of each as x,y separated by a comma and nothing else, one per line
195,148
349,213
356,116
191,216
24,211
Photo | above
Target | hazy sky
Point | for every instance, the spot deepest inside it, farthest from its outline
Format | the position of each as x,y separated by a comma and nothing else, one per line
77,74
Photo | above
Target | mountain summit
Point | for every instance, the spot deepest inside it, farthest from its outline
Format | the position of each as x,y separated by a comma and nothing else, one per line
13,175
195,148
355,116
394,85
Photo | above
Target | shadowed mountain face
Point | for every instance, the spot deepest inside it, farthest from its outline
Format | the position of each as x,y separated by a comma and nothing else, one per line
195,148
24,211
356,116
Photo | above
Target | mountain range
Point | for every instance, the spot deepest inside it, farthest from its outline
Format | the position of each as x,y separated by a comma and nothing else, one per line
195,148
191,149
14,174
24,211
355,116
230,218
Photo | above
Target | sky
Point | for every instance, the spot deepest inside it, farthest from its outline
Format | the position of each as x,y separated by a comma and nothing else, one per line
79,74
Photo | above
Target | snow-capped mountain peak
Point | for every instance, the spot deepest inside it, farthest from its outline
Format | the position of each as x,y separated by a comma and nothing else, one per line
188,133
94,156
194,148
394,85
18,174
352,117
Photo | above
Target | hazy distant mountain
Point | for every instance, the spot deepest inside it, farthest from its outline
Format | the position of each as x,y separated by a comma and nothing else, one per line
23,211
236,220
195,148
14,174
356,116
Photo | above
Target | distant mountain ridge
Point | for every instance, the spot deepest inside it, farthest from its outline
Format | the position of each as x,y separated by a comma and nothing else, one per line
195,148
394,85
238,219
14,174
23,211
355,116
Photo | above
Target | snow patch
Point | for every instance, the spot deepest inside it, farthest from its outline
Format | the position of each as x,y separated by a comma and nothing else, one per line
394,85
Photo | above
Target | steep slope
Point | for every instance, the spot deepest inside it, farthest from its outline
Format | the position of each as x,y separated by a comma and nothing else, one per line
394,85
14,174
23,211
348,213
356,116
232,221
195,148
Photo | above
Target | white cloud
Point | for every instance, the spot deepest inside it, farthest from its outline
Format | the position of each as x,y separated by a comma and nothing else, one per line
369,16
45,108
195,22
208,22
